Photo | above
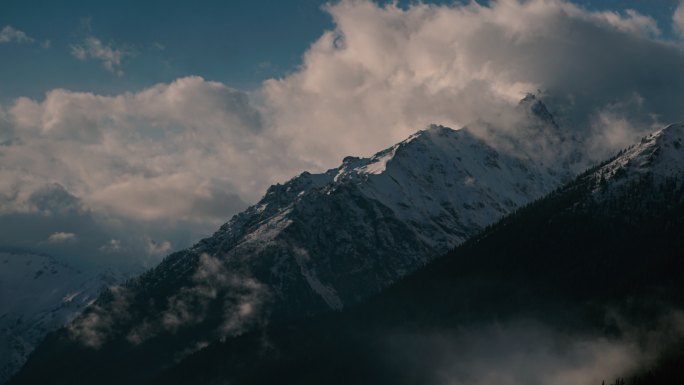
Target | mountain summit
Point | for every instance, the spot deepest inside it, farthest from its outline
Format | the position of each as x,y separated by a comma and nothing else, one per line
659,155
599,259
315,243
339,236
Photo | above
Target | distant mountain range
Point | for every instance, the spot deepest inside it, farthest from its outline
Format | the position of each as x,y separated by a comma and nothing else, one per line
39,294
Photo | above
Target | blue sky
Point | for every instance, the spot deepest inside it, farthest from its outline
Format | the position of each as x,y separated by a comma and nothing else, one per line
239,43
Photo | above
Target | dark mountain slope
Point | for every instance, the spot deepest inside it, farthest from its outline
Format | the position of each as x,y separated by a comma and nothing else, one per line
610,242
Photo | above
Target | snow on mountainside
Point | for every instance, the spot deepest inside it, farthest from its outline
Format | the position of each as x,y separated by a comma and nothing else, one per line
375,219
659,155
320,242
616,230
38,294
448,184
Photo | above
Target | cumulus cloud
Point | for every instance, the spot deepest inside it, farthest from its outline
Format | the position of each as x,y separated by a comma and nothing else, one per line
185,150
175,160
169,163
386,71
94,48
10,34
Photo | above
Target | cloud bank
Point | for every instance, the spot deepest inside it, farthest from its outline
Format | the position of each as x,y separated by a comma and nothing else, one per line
173,158
386,71
172,161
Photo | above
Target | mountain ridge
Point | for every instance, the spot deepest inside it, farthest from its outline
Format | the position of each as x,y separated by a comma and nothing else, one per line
316,243
622,244
39,294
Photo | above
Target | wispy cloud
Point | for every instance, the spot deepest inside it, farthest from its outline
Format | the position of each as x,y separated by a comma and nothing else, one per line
524,351
10,34
159,249
515,353
678,19
110,56
94,327
60,237
113,246
241,298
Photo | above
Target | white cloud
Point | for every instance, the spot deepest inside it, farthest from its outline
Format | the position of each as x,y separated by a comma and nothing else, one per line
160,249
171,162
94,326
386,71
678,19
113,246
613,129
175,160
10,34
631,22
93,48
242,299
189,149
60,237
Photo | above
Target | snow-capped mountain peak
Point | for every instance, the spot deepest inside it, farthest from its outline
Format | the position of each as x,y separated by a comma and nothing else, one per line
343,234
659,155
533,106
321,241
353,166
447,184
